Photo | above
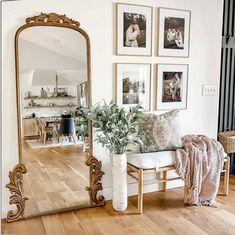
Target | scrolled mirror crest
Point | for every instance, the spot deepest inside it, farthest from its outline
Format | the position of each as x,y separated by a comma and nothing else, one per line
52,18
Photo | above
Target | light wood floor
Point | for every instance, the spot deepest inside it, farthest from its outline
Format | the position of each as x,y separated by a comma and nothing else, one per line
164,213
56,178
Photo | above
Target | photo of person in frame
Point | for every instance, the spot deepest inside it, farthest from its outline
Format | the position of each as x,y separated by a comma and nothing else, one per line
174,33
172,87
134,30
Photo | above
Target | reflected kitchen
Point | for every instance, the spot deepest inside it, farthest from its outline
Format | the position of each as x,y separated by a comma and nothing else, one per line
45,107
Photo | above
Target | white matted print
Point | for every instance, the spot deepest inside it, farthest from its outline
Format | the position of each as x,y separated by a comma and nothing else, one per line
134,30
174,31
133,85
172,86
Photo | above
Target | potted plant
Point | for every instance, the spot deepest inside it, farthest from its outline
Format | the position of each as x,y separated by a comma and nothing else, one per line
117,129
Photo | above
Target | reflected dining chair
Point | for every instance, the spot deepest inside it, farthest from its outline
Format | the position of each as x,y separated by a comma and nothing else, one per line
46,131
67,127
38,129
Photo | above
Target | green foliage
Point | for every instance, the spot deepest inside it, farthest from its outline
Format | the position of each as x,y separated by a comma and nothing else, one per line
118,127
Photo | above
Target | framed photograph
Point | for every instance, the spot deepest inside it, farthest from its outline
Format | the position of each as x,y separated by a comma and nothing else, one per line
133,85
134,30
174,32
172,86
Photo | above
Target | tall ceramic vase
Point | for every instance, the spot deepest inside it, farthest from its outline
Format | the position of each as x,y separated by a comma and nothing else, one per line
119,169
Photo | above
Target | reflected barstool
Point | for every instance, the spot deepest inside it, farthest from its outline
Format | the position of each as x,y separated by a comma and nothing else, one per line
67,127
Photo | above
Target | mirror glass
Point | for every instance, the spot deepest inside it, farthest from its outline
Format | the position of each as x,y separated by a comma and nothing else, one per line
52,86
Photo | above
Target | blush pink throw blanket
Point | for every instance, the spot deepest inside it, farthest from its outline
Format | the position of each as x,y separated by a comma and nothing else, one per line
199,163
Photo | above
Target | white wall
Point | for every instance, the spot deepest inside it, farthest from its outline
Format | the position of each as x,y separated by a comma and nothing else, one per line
96,18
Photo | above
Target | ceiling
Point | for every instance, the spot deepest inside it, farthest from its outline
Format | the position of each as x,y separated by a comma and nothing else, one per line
48,51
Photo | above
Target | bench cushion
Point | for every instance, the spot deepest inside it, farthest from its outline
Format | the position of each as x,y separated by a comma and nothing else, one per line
152,160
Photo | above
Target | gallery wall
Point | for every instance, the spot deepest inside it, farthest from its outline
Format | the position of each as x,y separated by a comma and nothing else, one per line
97,18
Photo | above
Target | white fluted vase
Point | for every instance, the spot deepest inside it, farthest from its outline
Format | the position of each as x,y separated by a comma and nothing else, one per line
119,170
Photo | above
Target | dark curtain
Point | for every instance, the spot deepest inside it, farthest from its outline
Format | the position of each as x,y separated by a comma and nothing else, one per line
227,76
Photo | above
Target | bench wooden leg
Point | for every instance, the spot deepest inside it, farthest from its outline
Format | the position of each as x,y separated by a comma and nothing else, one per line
164,185
226,175
140,191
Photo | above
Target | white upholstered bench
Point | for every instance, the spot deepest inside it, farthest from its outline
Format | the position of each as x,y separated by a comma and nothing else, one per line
164,161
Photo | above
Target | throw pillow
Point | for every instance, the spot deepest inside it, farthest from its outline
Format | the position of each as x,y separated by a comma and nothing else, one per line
162,132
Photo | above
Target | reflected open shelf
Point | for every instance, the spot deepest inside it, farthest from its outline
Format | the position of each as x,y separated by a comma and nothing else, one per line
52,106
46,98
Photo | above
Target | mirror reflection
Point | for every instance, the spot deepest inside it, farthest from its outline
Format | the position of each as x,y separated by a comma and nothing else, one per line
53,85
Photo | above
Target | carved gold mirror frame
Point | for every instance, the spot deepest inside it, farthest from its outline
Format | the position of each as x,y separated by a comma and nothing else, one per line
15,185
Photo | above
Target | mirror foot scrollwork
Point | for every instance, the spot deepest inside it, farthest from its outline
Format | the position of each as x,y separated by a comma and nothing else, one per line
15,188
95,177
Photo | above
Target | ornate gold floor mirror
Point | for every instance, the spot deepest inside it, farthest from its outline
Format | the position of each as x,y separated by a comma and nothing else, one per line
57,171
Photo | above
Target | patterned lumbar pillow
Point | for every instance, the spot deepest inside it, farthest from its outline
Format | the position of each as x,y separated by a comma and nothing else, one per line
161,132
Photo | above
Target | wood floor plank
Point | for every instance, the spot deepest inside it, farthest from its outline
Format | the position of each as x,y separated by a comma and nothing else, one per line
106,223
226,218
34,226
71,224
183,226
207,224
53,225
130,220
88,224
